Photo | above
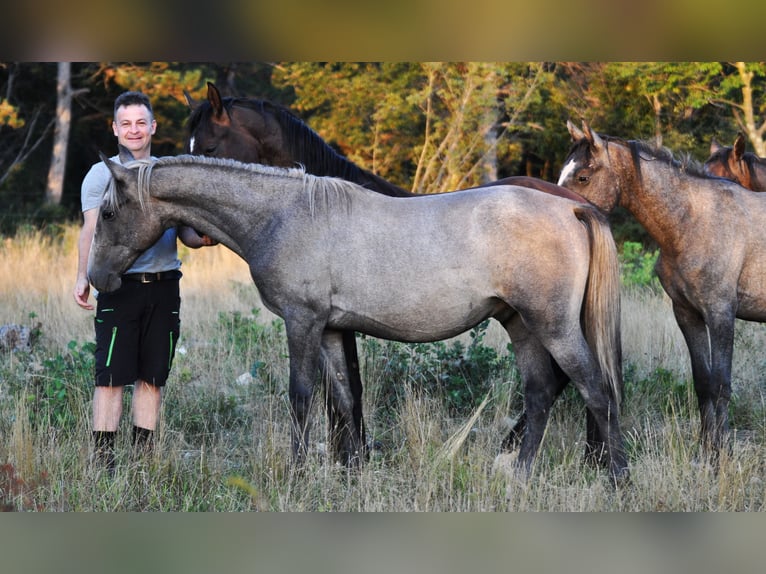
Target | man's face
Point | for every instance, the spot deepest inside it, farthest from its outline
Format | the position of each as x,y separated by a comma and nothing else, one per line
134,126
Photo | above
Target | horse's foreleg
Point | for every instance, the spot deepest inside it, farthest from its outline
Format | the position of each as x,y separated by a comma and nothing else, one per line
343,397
721,350
355,384
710,354
304,348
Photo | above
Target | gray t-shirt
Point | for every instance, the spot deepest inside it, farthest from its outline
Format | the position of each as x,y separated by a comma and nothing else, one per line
162,256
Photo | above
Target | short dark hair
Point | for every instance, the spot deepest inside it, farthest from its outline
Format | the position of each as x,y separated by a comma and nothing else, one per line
133,99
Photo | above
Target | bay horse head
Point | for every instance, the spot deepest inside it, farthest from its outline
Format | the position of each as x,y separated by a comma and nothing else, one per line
251,130
734,163
116,246
236,128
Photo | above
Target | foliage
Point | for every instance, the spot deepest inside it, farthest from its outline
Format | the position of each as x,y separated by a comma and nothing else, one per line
637,266
461,375
56,385
215,406
9,115
661,388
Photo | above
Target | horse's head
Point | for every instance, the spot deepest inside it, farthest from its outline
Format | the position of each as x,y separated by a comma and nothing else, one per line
227,128
587,169
125,228
729,162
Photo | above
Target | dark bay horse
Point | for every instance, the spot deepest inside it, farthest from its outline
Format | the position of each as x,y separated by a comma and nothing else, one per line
258,131
736,164
330,256
251,130
712,259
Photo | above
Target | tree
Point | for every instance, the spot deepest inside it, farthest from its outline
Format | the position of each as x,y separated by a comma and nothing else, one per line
741,89
57,169
22,129
426,126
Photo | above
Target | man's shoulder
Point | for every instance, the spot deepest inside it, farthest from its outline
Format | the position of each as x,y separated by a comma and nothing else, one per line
99,170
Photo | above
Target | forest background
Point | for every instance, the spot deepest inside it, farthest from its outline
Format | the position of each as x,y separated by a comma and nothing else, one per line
428,127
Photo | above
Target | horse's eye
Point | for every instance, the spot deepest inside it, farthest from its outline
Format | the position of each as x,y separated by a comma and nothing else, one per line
210,149
107,215
583,178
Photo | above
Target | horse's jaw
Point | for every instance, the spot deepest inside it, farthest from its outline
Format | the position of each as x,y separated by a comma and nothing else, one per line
104,282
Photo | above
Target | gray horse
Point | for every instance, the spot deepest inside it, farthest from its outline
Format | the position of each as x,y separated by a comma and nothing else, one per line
329,256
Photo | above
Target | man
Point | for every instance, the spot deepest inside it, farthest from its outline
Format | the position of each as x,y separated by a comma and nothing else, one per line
137,326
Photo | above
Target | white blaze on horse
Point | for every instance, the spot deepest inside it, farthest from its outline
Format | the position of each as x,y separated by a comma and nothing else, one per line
330,256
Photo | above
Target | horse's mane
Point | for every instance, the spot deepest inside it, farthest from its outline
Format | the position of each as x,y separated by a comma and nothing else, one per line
144,167
330,189
301,140
647,151
643,150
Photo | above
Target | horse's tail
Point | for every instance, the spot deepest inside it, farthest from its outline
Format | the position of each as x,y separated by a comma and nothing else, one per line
601,311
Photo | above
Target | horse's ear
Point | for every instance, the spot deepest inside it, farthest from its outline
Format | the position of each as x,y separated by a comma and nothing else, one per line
574,131
739,146
714,146
190,101
595,140
220,115
118,171
125,154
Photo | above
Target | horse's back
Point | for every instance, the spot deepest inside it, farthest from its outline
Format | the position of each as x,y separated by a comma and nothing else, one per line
451,260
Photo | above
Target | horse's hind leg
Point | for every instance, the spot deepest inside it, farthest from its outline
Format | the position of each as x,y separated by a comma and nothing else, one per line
594,445
343,398
575,358
516,434
541,387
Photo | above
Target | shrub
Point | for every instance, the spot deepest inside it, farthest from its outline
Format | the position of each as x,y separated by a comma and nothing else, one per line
637,266
462,374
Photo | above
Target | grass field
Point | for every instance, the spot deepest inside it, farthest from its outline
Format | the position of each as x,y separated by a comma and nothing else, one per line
224,434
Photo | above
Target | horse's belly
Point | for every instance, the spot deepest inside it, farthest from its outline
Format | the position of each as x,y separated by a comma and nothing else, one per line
415,324
751,291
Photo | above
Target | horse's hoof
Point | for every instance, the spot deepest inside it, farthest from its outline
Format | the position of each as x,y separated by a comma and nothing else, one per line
621,477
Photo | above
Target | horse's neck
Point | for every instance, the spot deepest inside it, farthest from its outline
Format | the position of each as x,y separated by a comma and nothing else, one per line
329,162
758,174
659,198
319,158
243,207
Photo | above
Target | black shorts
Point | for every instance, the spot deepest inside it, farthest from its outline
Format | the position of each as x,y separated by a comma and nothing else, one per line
137,328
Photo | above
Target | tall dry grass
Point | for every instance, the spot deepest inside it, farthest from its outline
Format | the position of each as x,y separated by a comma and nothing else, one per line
224,433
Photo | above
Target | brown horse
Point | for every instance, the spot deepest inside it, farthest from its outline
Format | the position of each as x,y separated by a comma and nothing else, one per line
712,259
734,163
251,130
329,256
258,131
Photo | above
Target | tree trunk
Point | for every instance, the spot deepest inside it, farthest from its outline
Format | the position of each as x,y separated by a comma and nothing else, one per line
747,124
57,169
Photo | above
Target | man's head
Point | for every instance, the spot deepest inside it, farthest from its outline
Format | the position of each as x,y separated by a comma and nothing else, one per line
134,123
